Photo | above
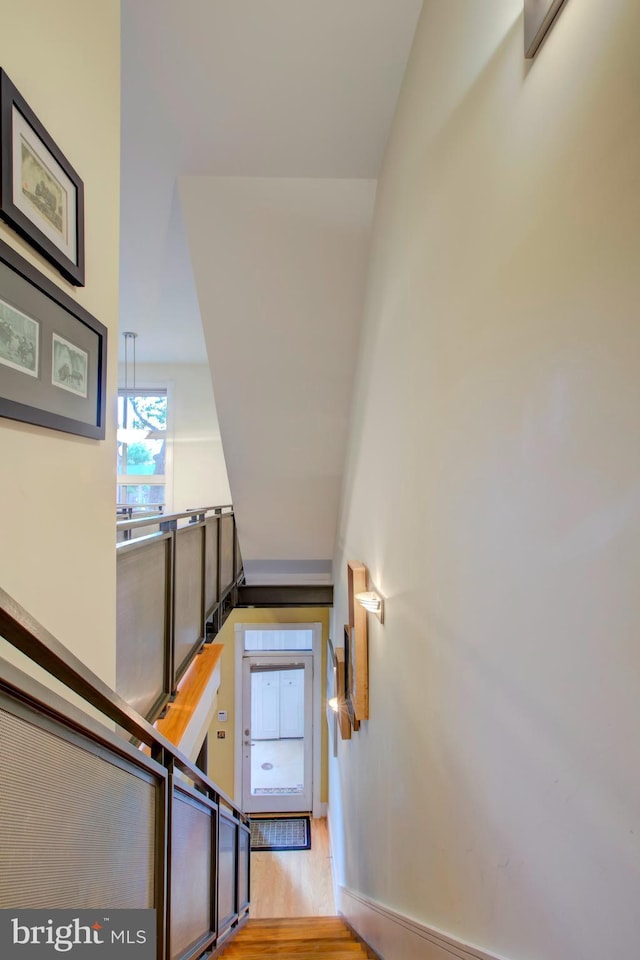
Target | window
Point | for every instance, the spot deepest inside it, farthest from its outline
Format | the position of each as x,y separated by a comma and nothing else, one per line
142,447
279,638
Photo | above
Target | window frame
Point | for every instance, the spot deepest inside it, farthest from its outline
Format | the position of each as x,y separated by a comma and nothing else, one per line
149,479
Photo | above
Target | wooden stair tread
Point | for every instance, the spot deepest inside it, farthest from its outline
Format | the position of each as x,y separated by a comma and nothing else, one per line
350,951
268,933
296,921
269,936
273,946
297,938
296,931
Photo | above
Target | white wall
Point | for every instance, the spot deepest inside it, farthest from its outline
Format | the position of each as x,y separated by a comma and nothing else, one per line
57,553
493,488
196,468
280,267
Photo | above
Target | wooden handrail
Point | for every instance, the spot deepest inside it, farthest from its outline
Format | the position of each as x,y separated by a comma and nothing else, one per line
190,691
25,633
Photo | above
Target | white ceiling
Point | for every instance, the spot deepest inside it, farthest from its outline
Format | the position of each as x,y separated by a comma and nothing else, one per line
280,268
288,89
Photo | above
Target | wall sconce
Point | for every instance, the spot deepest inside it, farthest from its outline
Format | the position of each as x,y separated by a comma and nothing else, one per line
372,602
333,704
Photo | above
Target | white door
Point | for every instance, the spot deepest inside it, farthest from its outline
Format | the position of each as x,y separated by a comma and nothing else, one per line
265,705
277,741
291,712
277,704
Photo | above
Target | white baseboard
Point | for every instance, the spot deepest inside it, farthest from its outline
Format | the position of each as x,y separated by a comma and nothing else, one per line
396,937
332,860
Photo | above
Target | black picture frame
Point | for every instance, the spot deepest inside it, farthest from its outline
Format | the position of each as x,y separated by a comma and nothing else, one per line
53,353
51,215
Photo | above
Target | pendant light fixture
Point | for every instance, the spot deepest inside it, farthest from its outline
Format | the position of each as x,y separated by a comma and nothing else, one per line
128,434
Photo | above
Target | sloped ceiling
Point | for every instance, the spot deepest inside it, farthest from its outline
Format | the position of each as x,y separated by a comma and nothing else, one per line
253,132
280,268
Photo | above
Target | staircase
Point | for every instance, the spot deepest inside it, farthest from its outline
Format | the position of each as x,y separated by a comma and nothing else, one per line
299,938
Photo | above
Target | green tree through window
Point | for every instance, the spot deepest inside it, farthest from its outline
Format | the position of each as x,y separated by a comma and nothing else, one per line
142,446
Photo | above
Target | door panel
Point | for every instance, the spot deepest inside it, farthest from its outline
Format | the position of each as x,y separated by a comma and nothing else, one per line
291,704
265,706
277,745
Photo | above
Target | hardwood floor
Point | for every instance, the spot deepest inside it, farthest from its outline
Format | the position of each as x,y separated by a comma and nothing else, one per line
294,883
295,939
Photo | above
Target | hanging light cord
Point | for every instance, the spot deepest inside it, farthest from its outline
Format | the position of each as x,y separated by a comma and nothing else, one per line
129,335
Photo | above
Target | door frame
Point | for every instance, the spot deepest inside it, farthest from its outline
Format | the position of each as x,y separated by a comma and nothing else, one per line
316,653
288,803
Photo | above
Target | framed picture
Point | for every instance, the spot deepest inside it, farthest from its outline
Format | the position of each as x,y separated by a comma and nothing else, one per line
53,353
333,694
356,645
41,195
337,720
350,676
539,16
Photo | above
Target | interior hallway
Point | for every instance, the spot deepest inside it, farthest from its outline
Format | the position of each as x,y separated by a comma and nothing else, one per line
294,883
